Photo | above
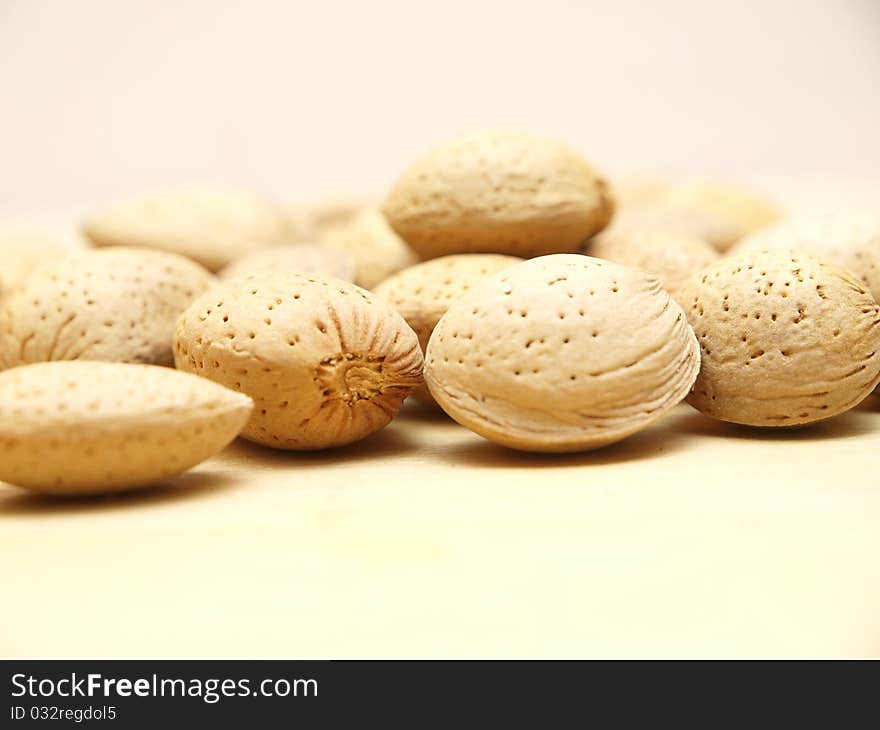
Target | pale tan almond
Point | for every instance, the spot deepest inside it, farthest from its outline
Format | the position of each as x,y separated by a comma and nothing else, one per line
322,215
724,211
73,428
786,338
303,258
378,252
561,353
213,226
24,249
326,362
115,304
499,192
670,220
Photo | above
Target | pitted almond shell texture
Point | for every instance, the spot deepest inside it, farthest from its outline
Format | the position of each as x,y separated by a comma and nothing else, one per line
562,353
326,362
213,226
73,428
672,257
499,192
786,339
422,293
848,238
378,252
300,258
116,304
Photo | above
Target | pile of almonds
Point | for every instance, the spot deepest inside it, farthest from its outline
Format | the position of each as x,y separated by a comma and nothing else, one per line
501,280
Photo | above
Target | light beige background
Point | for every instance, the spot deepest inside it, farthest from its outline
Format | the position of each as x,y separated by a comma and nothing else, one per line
102,98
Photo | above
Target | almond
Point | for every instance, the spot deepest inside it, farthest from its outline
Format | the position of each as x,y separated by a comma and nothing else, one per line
629,220
847,238
210,225
302,258
323,215
71,428
422,293
732,210
326,362
115,304
499,192
23,250
786,338
377,250
673,258
561,353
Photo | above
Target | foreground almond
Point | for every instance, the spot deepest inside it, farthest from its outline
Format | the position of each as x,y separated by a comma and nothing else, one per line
213,226
562,353
326,362
70,428
499,192
786,339
115,304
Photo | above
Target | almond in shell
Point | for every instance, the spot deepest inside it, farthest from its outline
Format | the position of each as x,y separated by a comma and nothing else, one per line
562,353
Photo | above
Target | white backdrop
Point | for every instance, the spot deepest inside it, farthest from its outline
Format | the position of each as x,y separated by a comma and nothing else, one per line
104,98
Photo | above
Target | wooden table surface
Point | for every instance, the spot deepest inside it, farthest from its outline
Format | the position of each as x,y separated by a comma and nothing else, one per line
691,538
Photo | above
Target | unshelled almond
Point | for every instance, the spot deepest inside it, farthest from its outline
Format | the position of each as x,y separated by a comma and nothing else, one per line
213,226
326,362
332,211
302,258
724,212
786,339
71,428
499,192
660,219
25,249
115,304
378,252
561,353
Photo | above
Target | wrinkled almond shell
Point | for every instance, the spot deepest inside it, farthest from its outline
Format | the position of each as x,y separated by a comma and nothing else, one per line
74,428
115,305
562,353
786,339
326,362
499,192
